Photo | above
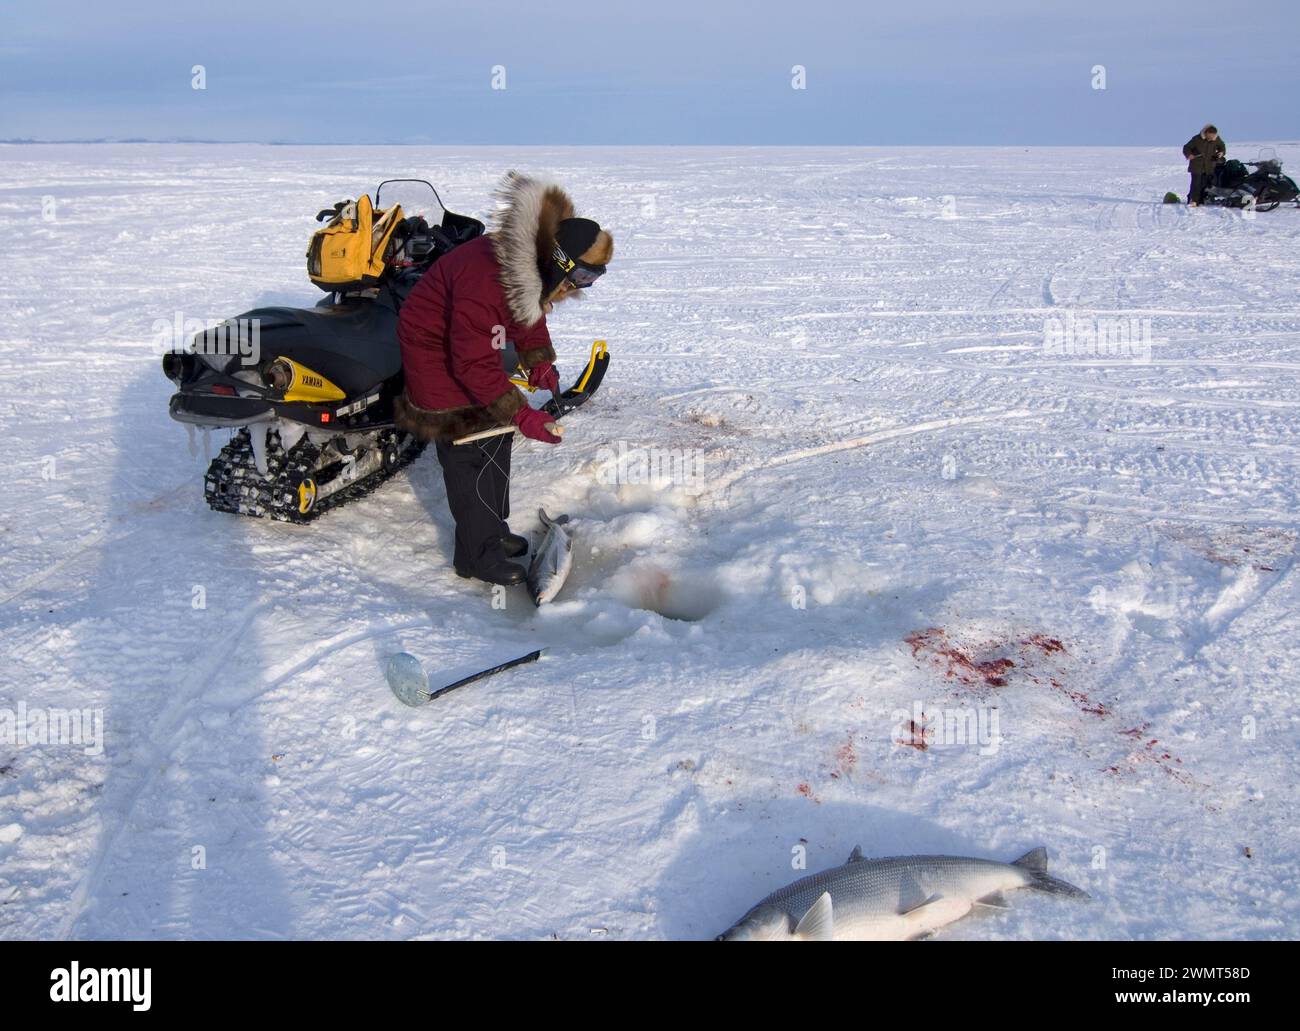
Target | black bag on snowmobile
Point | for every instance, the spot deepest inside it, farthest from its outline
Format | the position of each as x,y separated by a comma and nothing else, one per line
1230,174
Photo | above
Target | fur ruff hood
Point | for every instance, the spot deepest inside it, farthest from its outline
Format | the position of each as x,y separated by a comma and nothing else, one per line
523,237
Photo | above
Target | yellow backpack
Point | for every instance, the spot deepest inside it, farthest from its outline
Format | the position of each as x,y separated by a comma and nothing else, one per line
351,252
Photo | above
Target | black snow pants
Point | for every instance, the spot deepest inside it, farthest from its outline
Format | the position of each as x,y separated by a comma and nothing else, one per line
1200,183
477,476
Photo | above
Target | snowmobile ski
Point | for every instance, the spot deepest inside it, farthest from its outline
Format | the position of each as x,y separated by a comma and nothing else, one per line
410,683
587,384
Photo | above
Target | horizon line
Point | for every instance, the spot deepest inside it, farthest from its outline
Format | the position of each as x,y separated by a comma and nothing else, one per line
140,140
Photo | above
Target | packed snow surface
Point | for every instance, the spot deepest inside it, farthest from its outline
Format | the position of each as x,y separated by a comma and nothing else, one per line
918,575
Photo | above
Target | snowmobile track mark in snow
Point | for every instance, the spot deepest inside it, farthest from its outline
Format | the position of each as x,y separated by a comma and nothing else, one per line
878,437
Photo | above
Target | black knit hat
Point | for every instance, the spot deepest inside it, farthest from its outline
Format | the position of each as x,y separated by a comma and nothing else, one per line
576,235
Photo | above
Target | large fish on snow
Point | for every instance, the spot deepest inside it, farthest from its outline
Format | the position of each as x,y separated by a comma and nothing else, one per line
893,899
552,559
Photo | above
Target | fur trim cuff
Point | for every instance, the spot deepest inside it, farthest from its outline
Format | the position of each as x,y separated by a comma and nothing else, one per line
449,424
534,356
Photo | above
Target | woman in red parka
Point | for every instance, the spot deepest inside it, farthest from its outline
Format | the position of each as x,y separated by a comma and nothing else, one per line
487,298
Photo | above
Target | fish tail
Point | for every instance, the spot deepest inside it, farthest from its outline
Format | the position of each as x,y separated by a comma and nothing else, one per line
548,522
1034,863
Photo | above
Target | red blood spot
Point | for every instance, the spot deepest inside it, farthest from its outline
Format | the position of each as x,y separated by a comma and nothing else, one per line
958,664
847,756
968,667
915,737
1047,645
921,639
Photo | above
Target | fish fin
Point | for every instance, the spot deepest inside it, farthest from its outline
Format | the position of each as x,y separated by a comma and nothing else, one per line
1035,864
856,855
936,897
910,894
994,900
1035,859
818,924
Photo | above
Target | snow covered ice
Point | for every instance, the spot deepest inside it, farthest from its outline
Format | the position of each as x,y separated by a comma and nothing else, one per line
927,501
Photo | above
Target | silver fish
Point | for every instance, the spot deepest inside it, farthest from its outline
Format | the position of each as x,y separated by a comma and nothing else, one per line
552,559
903,897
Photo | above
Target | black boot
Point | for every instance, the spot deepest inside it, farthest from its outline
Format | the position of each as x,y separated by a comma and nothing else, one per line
514,545
495,571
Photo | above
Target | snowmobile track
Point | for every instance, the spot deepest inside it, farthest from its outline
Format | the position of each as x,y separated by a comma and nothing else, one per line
234,484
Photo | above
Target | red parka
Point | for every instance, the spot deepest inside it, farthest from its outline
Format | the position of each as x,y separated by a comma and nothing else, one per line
454,326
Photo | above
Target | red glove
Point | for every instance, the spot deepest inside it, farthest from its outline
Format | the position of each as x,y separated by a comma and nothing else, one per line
532,422
543,376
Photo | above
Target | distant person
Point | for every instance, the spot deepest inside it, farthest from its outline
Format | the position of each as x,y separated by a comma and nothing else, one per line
1205,152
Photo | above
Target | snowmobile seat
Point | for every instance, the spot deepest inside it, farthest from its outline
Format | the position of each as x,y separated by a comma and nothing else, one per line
353,344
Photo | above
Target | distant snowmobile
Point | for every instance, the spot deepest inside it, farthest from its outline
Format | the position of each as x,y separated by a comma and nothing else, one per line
310,391
1263,189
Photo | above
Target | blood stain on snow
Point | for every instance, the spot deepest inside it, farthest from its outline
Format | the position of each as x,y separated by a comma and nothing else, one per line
1150,753
846,757
960,665
1080,699
916,736
987,666
1047,645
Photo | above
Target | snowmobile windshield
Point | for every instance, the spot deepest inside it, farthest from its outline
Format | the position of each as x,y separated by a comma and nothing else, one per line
416,196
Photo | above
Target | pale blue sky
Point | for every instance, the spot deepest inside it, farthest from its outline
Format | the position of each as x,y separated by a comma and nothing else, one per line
663,71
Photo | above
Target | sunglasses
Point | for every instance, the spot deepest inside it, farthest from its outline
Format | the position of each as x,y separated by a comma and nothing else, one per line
579,273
